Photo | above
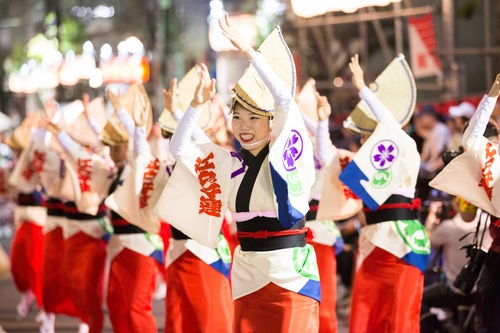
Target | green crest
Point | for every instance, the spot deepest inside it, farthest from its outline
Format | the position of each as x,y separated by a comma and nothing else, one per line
223,250
331,227
414,235
381,178
304,262
155,240
295,187
105,225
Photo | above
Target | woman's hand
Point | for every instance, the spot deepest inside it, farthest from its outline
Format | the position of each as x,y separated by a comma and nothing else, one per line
114,99
236,38
49,109
85,102
170,97
357,73
50,127
323,108
140,110
205,89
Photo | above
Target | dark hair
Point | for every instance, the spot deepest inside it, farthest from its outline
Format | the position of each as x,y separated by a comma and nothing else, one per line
490,130
426,110
166,134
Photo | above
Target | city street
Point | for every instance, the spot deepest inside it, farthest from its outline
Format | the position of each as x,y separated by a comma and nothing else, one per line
9,297
64,324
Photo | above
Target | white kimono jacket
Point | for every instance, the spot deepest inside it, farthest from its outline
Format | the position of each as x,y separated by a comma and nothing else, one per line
207,178
387,164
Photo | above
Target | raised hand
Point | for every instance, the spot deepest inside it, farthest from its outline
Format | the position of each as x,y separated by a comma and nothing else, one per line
357,73
170,97
495,88
205,89
86,101
49,126
49,109
114,99
323,108
140,110
236,38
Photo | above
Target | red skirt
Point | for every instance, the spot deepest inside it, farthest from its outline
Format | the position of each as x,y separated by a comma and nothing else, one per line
55,292
165,235
386,296
131,285
84,259
26,259
327,266
198,297
277,310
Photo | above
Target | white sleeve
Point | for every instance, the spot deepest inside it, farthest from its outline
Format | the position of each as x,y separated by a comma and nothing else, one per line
479,121
198,135
38,134
94,125
311,126
67,142
141,144
281,94
378,109
323,142
126,120
183,132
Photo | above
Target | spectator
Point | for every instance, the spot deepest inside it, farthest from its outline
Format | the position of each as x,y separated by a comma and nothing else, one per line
435,135
459,117
452,235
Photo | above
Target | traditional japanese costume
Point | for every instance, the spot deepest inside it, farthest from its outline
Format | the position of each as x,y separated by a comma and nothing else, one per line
54,180
134,251
479,171
29,218
87,228
393,245
268,195
328,240
198,291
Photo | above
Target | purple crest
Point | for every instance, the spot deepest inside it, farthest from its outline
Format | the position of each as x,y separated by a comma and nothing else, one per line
293,150
384,154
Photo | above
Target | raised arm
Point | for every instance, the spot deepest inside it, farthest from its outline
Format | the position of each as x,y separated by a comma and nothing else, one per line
379,111
140,117
90,119
170,104
323,142
204,92
122,114
481,117
281,94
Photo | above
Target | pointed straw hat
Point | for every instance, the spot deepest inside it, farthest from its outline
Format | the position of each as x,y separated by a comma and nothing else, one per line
21,136
77,124
114,133
306,101
250,91
186,88
395,88
127,102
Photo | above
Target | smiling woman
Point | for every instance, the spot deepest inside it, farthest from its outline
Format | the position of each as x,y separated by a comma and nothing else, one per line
266,186
250,129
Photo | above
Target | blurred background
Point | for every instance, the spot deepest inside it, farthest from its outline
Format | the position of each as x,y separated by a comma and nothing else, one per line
67,47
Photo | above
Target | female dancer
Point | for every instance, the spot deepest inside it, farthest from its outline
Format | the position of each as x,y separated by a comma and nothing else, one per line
274,276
